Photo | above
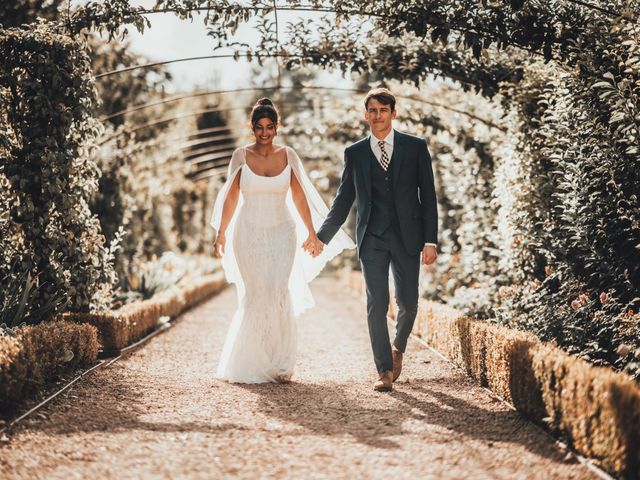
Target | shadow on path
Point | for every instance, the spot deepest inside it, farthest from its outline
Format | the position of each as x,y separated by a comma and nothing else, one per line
347,409
328,409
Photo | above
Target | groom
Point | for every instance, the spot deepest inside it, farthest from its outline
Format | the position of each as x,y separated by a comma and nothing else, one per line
389,175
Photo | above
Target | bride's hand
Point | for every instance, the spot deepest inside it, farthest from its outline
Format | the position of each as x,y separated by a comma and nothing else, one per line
218,247
310,244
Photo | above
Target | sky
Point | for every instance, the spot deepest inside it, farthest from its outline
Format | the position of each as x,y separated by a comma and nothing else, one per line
171,38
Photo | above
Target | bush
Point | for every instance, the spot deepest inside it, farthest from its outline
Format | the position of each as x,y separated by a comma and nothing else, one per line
48,101
36,354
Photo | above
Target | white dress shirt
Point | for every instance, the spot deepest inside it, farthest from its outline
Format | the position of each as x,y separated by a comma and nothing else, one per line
388,147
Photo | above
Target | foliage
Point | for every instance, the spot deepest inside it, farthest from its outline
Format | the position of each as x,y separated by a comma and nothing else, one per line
152,278
19,12
578,228
49,97
18,296
550,238
160,274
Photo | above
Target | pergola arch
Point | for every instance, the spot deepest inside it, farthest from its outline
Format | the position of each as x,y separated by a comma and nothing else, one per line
582,48
343,9
563,185
207,155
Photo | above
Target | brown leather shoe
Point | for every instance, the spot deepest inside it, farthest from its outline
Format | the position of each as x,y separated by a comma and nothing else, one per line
385,382
397,362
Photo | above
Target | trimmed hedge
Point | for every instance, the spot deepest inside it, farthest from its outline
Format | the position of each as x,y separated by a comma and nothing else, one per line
595,410
120,328
39,353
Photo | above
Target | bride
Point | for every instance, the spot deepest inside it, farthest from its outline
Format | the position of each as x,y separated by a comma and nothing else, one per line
265,214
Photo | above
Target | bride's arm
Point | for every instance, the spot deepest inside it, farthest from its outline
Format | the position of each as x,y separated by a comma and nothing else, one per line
228,208
300,201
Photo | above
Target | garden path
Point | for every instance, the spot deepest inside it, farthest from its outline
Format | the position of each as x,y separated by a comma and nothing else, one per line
160,413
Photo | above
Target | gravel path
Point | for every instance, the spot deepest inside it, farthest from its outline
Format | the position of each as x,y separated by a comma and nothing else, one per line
159,413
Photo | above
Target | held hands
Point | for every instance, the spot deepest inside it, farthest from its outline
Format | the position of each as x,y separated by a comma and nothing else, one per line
218,247
429,254
313,245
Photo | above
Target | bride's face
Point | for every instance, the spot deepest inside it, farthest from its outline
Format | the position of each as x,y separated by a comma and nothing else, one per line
264,131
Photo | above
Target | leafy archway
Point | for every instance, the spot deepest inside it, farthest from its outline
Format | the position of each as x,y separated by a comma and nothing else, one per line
563,183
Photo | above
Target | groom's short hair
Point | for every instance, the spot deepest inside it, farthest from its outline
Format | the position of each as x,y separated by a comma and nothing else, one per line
381,94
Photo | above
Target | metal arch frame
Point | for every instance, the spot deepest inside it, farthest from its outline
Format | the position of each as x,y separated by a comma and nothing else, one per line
210,135
190,59
178,98
203,174
190,154
311,8
191,113
239,55
197,176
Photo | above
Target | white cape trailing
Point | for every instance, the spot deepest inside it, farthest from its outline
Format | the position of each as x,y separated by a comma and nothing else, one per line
305,267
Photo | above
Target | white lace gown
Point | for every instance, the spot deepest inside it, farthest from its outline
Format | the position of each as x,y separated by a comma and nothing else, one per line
261,343
263,256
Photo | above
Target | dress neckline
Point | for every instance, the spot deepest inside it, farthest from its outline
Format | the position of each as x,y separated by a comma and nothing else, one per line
286,154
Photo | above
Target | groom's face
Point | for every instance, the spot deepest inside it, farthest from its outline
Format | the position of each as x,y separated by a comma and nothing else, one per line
379,117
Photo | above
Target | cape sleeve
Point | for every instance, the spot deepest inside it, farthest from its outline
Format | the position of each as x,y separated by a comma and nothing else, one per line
229,263
306,266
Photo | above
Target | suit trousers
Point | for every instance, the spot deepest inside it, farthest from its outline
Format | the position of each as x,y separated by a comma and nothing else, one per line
377,253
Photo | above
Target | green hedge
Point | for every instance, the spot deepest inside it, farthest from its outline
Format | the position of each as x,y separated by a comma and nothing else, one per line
39,353
48,99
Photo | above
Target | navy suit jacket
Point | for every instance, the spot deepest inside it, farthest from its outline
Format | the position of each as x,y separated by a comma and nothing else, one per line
414,192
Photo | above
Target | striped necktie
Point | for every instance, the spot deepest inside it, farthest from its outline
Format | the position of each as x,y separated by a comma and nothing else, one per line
384,158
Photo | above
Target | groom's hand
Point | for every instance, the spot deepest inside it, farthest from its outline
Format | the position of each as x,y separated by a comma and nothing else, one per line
307,246
312,245
429,254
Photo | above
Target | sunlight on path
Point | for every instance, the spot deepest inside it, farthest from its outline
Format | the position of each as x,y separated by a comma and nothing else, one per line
160,414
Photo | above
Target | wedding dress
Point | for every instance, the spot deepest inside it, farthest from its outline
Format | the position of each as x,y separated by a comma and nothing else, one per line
264,258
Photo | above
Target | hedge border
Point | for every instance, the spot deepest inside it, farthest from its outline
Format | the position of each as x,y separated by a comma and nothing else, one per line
122,327
39,353
595,410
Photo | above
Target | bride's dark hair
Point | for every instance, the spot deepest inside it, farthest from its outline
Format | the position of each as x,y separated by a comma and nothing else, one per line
264,108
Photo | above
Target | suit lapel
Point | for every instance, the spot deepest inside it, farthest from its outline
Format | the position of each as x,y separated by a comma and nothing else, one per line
396,158
365,166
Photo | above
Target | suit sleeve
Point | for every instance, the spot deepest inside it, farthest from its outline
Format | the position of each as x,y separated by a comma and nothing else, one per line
341,203
427,189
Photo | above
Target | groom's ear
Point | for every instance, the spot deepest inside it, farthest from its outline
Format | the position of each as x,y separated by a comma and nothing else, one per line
394,113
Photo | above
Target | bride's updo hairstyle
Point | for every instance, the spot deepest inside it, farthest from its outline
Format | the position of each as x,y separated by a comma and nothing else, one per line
264,108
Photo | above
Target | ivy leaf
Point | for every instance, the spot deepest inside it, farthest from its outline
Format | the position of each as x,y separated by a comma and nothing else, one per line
477,50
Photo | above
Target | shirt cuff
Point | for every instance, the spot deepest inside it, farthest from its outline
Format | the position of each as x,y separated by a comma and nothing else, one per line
432,244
